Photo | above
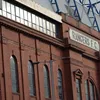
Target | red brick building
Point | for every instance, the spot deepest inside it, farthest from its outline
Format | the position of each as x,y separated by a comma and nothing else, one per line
46,57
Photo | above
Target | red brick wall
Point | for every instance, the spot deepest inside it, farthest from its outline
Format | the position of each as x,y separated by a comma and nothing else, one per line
25,47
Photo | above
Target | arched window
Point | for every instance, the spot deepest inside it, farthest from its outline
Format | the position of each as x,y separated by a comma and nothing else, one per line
90,90
86,90
14,74
60,85
78,79
78,88
46,82
31,77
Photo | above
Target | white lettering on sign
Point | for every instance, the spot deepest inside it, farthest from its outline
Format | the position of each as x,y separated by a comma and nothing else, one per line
83,39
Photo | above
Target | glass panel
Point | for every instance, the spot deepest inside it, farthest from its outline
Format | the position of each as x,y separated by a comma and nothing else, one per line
37,20
4,13
26,22
54,29
17,11
46,83
60,86
40,20
13,17
31,78
29,17
44,26
51,27
21,13
14,74
78,88
48,25
17,19
25,15
9,15
12,10
37,23
33,19
4,6
86,90
22,21
8,7
29,20
91,91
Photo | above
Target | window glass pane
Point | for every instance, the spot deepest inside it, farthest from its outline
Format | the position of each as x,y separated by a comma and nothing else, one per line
4,13
91,91
54,28
40,20
44,23
31,78
44,26
8,15
13,17
25,14
14,74
78,88
46,83
86,90
8,7
12,10
51,27
48,25
33,19
17,11
4,5
21,13
29,17
37,20
60,86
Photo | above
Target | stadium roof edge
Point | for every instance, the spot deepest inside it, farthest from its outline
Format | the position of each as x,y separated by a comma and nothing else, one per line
40,9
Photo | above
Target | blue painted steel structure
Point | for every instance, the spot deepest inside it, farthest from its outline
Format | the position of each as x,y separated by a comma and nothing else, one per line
90,8
73,5
54,2
91,12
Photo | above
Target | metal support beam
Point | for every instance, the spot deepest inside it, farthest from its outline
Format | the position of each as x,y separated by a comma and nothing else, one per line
91,13
54,2
73,6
